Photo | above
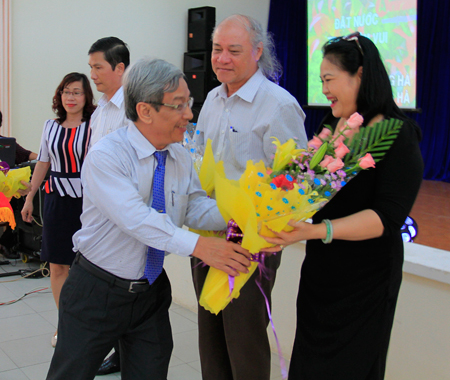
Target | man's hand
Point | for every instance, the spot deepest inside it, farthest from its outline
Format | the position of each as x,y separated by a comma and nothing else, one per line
24,192
221,254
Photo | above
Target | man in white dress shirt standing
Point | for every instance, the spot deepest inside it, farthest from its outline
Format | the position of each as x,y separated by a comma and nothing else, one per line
108,59
240,117
117,288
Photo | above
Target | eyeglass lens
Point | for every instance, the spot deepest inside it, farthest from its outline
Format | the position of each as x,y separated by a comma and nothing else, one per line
189,104
73,93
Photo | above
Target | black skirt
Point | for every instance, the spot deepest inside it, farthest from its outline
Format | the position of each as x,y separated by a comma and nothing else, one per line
61,221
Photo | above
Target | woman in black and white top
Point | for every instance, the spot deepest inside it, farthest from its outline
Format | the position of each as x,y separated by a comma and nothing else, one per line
64,146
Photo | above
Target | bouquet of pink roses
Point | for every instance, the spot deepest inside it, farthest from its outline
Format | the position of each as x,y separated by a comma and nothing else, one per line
332,159
299,183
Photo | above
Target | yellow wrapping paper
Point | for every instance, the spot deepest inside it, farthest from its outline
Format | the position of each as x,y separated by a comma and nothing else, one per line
10,183
206,177
258,209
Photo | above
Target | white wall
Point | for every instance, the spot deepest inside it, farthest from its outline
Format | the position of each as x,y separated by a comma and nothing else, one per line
420,341
51,38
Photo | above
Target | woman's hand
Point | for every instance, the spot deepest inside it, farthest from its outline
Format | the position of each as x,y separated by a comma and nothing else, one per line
301,231
362,225
40,170
27,211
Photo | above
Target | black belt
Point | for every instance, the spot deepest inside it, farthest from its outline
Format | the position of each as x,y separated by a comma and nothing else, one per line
65,175
133,286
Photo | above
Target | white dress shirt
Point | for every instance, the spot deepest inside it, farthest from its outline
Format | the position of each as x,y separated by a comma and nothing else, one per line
241,126
117,221
108,116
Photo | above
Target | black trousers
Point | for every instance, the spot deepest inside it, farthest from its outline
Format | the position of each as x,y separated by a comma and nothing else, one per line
234,344
93,316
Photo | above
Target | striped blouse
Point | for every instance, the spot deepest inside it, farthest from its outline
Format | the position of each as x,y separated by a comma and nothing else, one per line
65,149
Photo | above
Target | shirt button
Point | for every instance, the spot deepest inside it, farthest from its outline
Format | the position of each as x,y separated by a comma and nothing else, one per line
227,110
223,132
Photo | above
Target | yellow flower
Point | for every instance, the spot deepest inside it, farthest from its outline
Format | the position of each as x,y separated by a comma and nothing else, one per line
284,153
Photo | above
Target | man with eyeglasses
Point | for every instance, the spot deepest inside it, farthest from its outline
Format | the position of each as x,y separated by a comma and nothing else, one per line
140,187
240,117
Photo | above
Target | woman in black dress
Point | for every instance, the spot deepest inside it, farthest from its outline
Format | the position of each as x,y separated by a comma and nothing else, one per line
349,287
64,145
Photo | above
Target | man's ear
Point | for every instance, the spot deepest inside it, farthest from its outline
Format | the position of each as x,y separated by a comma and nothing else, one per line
120,68
258,51
145,112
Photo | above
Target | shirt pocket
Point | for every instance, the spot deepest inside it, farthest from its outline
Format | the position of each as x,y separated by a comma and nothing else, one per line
239,142
177,205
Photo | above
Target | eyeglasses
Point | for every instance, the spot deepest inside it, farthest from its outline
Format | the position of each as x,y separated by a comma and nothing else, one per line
73,93
178,107
354,37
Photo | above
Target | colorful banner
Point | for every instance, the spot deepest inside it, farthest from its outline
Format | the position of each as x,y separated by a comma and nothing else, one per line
390,24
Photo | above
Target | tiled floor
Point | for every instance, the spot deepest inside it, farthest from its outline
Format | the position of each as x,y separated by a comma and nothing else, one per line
27,326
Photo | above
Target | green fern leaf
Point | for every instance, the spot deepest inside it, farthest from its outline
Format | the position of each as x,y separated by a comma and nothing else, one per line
377,138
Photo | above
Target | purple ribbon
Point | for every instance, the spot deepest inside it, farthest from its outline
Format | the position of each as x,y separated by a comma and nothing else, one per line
235,235
4,167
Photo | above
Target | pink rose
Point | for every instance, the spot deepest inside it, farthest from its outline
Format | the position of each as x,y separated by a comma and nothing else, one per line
335,165
341,150
355,120
326,160
325,133
349,132
366,162
339,140
315,143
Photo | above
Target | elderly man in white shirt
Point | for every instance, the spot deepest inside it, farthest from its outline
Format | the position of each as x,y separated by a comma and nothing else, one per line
240,117
117,288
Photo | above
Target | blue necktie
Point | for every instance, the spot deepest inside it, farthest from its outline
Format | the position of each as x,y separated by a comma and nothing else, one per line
155,257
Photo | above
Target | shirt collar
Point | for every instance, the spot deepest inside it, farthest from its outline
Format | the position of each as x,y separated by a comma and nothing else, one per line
141,145
248,91
117,98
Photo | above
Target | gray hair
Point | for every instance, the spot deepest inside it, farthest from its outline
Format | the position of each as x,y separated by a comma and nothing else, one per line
146,81
268,63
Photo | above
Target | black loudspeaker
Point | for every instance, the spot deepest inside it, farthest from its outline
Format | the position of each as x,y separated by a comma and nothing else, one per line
201,23
199,74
